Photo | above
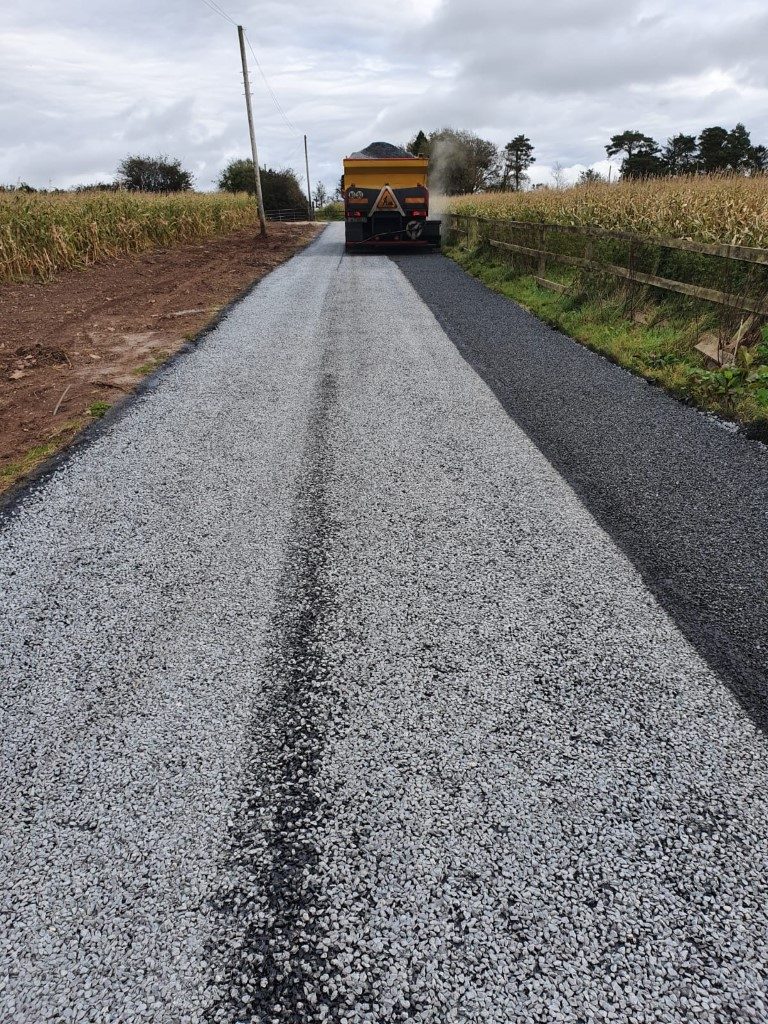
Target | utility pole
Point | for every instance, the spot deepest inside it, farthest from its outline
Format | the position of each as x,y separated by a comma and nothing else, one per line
309,192
254,154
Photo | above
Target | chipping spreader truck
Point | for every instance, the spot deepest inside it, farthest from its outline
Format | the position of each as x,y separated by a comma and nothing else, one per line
386,201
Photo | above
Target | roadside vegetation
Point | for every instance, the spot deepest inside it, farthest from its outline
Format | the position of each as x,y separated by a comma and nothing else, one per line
330,211
150,204
461,162
728,208
280,190
42,234
644,329
10,472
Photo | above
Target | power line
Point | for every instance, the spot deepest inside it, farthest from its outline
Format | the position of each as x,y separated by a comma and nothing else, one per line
218,10
271,91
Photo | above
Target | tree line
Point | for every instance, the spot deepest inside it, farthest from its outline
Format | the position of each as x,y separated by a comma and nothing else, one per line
716,149
281,189
460,161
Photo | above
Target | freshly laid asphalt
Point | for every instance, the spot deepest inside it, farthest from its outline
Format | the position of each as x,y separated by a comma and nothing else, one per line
684,497
350,676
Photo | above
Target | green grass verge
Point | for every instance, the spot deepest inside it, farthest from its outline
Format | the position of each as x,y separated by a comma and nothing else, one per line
155,361
14,471
660,349
99,409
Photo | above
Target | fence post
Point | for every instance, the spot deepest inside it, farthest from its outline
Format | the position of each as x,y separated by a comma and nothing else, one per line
632,291
588,246
542,255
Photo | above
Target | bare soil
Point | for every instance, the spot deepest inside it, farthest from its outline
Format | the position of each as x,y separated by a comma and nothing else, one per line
73,347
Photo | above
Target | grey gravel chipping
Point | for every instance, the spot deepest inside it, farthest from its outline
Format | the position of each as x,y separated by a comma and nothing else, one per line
382,151
326,699
682,495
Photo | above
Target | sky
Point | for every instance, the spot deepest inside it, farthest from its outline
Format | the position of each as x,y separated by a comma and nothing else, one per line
83,84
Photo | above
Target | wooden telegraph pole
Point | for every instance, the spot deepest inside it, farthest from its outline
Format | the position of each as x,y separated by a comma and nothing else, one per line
309,192
254,154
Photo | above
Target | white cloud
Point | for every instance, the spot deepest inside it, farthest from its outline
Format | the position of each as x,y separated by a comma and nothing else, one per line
83,85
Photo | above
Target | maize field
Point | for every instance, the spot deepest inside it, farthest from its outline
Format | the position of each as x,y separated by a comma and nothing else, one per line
42,234
729,209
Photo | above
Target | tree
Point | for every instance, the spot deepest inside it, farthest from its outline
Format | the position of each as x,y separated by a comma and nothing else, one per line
713,149
281,190
99,186
631,143
237,176
757,159
590,177
320,196
737,147
557,174
642,154
517,157
461,161
680,154
419,145
644,164
153,174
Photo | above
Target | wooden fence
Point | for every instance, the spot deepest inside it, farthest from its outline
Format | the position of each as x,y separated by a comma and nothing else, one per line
757,305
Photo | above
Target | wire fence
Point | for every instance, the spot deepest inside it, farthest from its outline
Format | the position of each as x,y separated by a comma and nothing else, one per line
298,213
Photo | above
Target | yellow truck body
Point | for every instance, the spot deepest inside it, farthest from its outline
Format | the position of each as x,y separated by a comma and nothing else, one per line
376,173
386,200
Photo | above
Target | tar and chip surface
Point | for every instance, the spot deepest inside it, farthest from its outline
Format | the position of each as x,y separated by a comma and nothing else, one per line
324,699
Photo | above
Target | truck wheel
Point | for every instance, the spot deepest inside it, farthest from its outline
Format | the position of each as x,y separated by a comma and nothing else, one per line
414,229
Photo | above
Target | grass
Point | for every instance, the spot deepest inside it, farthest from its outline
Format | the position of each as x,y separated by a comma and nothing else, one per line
98,409
598,309
155,360
11,472
145,368
661,349
42,234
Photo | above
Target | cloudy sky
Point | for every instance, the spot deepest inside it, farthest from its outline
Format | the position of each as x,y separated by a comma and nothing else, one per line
83,83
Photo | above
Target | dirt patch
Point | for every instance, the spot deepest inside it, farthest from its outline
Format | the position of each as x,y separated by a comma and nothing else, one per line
72,348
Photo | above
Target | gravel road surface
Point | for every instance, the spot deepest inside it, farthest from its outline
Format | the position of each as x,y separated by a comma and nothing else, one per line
326,698
684,497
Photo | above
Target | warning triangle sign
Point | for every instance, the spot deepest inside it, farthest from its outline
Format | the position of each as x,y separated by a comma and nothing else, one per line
386,201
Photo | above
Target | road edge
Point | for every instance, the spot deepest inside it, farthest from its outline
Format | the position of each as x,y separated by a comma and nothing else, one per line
746,683
12,498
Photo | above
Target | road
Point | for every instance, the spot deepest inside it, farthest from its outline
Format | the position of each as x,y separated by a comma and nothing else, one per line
332,693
